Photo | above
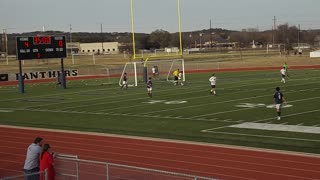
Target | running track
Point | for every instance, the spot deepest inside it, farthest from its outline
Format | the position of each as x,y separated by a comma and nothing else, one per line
223,162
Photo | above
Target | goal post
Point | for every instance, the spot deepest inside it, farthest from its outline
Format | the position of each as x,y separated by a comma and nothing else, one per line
135,57
141,67
131,70
137,72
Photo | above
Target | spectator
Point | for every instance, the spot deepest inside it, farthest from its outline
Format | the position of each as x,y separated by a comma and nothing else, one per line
47,162
31,164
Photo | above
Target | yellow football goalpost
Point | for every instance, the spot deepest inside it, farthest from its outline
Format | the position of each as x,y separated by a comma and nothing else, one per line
133,33
168,64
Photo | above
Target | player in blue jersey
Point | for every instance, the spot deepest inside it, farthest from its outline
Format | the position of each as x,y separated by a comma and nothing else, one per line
124,81
278,100
149,87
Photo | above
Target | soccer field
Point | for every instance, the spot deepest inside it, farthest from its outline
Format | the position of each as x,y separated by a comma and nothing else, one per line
241,114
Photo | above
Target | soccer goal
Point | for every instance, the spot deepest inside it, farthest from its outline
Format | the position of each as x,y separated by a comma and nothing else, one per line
138,72
97,75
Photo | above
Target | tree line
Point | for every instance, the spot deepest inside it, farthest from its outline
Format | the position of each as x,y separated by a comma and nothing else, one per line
158,39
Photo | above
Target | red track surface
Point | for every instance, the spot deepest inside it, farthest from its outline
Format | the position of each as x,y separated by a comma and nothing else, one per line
229,163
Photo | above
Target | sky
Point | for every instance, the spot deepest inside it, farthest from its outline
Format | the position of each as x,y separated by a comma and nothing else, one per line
17,16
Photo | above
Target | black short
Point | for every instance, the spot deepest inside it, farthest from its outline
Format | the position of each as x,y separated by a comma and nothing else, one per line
213,86
176,78
283,76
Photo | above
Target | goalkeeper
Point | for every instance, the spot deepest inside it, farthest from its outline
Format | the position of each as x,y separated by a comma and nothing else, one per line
285,67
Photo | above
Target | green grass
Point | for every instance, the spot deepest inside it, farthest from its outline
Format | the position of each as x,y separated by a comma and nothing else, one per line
108,109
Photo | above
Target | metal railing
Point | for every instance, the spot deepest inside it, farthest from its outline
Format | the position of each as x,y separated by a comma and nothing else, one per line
73,168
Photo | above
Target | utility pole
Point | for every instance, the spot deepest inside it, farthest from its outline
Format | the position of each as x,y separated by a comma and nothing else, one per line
299,36
71,39
5,43
210,35
274,30
3,40
200,41
71,45
101,39
274,22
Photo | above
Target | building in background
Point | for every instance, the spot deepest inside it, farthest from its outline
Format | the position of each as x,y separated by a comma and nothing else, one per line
96,48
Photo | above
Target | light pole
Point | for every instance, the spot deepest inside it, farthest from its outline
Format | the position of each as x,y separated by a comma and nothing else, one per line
71,39
200,40
190,41
102,50
71,50
5,44
299,36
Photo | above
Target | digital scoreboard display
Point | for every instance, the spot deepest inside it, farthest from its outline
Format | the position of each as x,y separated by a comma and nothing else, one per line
41,47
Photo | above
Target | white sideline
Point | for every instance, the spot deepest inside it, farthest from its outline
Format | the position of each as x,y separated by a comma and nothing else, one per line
278,127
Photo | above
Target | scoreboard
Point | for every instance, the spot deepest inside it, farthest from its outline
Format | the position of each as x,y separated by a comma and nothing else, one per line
41,47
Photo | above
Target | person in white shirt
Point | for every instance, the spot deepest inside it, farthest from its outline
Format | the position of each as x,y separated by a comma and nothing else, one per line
180,78
283,74
149,87
31,164
213,80
154,72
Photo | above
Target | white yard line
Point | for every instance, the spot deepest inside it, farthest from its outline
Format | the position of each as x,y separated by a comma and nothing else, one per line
209,130
289,115
284,123
264,136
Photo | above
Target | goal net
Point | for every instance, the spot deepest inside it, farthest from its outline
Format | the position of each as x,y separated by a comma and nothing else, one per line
94,76
158,70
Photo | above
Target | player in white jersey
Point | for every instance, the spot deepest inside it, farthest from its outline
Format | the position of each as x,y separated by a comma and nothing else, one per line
154,72
213,80
149,87
283,74
180,78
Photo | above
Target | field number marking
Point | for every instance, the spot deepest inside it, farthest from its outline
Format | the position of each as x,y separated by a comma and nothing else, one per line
164,102
257,105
